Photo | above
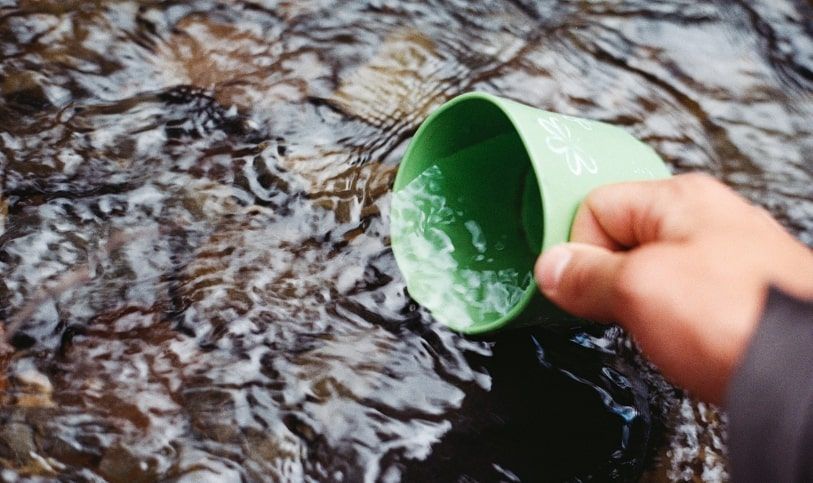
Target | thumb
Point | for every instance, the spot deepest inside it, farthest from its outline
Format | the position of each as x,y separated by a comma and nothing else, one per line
580,279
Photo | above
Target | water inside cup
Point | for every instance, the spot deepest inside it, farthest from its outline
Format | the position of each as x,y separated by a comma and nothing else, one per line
460,229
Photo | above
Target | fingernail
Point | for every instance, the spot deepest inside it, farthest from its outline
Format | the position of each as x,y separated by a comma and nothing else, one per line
551,267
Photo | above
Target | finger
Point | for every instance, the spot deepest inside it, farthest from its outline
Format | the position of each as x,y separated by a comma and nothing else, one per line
629,214
580,279
586,229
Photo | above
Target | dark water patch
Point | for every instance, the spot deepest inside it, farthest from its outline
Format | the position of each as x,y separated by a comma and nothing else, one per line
195,275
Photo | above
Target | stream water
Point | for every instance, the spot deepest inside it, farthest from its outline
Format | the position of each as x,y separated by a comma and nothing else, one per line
196,282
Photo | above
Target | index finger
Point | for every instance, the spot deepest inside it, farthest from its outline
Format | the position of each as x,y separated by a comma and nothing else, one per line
625,215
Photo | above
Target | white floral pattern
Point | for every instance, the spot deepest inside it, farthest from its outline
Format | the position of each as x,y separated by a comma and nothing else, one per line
561,141
643,172
583,123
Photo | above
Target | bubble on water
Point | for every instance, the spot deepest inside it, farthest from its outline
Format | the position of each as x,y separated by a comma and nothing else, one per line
253,277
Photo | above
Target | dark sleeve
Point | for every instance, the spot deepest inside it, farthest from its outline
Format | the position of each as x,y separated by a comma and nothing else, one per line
770,400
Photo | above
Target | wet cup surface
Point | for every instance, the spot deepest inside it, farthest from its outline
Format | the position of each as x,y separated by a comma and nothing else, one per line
485,185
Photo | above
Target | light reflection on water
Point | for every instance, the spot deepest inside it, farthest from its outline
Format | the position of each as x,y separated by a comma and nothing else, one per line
196,273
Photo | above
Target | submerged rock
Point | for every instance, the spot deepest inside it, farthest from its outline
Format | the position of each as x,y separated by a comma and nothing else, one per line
194,243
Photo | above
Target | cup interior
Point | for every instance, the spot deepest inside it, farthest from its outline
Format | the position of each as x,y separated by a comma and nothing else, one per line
467,217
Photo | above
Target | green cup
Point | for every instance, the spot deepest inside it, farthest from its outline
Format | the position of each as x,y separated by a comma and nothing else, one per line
487,184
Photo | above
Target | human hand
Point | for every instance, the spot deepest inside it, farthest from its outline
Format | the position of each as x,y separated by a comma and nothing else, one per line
684,265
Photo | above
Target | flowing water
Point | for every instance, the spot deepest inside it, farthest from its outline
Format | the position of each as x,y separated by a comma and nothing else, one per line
197,283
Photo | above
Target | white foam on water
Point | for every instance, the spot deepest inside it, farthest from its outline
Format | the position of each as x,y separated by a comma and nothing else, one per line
477,238
457,297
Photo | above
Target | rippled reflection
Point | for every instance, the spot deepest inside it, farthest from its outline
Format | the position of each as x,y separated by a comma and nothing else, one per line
196,278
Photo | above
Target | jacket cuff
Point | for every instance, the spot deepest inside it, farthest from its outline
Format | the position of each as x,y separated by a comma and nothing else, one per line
770,397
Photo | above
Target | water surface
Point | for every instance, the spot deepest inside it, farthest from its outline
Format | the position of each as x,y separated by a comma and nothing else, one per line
197,283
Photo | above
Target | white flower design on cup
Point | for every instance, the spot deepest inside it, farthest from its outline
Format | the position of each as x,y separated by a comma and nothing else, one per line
642,171
583,123
561,141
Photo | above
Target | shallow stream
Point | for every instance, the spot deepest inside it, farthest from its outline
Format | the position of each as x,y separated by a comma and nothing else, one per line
196,282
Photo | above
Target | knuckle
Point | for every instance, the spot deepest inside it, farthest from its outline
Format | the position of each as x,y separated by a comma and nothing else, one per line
679,189
698,180
693,196
691,185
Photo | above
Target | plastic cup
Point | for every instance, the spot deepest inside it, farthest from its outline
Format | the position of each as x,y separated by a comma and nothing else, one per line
487,184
